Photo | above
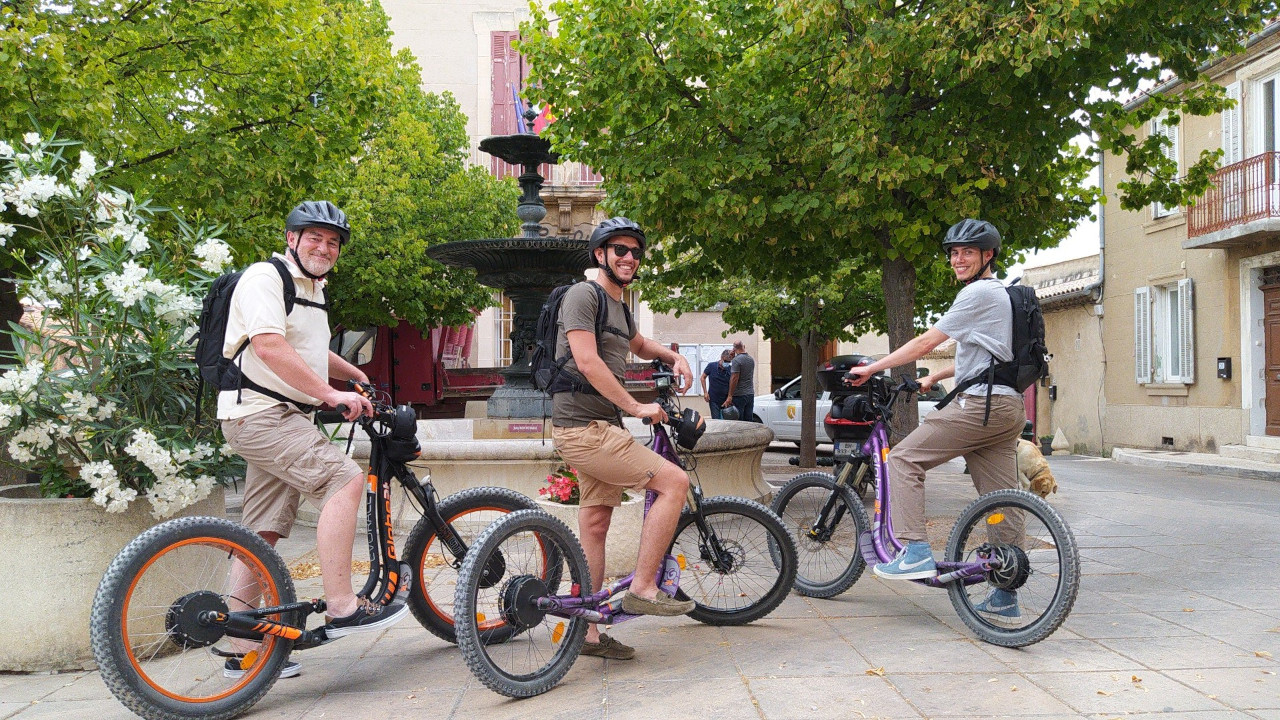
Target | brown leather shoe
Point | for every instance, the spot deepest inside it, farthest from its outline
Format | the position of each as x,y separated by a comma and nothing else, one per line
608,648
662,604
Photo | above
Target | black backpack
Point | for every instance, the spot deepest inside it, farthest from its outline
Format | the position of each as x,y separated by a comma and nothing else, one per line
548,372
1030,353
222,372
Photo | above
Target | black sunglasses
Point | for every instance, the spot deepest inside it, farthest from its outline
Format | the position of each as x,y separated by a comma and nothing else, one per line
622,251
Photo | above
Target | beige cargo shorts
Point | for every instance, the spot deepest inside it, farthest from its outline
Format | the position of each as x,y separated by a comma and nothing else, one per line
288,459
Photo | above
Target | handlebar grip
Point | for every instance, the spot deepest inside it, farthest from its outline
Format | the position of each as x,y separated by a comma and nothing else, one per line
646,421
342,407
826,462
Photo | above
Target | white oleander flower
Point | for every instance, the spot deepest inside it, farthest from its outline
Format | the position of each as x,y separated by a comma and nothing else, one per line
88,168
31,138
126,286
22,382
7,413
6,150
106,410
214,255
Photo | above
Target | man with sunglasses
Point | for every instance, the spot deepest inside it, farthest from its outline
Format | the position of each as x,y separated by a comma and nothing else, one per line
588,432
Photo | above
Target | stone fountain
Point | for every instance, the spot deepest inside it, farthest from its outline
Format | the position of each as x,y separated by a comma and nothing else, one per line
525,268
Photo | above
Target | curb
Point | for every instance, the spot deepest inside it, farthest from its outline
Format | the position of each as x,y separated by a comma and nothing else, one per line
1210,465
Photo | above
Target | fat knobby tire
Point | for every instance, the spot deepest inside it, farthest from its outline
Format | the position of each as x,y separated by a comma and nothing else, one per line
781,551
1069,569
435,614
470,639
106,621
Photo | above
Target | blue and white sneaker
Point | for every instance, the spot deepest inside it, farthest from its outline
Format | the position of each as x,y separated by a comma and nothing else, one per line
914,562
1002,603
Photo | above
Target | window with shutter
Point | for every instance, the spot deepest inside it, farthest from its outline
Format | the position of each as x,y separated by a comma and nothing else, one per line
1232,188
1142,335
505,78
1186,347
1161,126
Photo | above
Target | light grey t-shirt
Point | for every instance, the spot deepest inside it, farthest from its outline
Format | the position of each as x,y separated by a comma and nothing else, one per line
981,322
745,366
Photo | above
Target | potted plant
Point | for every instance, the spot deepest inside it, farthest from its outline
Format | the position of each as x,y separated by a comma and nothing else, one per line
98,396
1046,444
560,498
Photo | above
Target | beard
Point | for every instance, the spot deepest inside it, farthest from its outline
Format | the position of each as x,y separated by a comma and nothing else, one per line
314,264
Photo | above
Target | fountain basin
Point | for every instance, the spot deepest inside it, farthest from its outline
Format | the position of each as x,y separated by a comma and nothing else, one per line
728,459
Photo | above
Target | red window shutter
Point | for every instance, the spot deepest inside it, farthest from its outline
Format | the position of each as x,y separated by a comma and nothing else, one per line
506,75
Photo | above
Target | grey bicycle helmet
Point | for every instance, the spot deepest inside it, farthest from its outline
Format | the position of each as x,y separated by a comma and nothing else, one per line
613,227
319,213
972,233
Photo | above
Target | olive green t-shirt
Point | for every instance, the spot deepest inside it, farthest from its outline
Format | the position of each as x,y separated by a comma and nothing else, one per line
578,312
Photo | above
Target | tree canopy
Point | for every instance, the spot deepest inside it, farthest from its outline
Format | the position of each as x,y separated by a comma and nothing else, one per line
777,140
234,111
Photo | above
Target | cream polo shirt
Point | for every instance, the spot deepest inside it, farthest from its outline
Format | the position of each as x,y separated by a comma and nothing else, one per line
257,307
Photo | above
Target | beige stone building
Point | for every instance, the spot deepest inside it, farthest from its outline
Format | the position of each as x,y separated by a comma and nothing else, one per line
1191,332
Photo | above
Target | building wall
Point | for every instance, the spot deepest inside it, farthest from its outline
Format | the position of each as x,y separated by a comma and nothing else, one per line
1144,251
1076,372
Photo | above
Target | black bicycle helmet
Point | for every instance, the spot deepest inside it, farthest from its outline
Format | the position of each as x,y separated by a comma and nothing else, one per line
319,213
972,233
612,227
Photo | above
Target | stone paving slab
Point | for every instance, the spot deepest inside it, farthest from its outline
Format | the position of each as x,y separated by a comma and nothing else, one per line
1178,591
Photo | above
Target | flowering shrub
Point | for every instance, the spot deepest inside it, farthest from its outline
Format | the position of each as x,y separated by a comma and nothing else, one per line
99,398
562,486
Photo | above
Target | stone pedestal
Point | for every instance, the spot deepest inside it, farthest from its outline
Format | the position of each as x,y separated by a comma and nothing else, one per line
622,545
56,552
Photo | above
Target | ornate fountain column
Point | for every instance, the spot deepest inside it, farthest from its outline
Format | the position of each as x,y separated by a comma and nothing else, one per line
525,268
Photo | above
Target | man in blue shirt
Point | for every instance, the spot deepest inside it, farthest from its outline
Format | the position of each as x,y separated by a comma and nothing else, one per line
715,384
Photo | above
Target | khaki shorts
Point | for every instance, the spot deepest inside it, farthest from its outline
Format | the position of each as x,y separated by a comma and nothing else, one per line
288,458
607,459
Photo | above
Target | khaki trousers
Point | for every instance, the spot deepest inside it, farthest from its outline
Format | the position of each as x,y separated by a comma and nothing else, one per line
953,431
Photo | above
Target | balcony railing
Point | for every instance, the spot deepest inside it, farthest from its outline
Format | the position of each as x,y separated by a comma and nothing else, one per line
1241,193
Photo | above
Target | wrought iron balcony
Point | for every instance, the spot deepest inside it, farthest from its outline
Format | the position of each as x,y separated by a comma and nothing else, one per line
1242,206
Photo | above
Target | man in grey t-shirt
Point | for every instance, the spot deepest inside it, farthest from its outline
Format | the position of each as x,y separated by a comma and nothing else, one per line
981,322
742,385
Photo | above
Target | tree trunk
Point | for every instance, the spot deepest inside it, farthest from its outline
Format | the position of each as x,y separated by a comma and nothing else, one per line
898,280
808,399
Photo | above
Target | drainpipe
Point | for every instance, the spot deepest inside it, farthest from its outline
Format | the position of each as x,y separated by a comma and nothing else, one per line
1102,227
1102,281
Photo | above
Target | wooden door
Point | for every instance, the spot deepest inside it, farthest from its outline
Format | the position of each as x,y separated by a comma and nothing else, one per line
1271,329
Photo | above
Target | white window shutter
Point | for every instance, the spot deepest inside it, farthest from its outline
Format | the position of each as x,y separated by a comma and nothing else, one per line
1142,335
1232,147
1186,322
1162,127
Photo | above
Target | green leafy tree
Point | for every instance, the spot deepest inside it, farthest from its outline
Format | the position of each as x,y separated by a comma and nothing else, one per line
229,112
780,139
412,189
